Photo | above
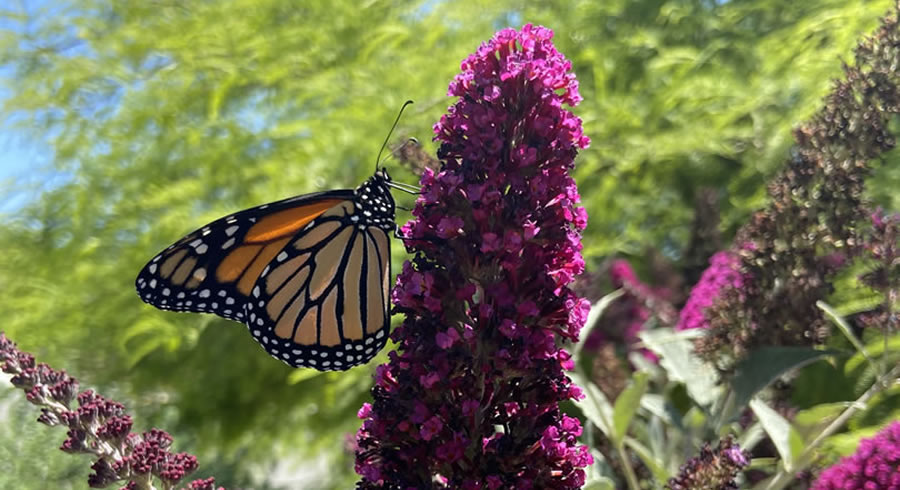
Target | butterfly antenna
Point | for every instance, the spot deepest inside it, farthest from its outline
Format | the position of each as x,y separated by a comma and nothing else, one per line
384,145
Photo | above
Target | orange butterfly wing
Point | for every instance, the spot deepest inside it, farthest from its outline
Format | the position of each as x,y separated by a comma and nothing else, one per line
309,275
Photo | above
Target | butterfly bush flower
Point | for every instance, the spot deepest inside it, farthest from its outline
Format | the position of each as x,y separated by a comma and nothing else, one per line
471,397
723,273
712,469
793,249
874,466
99,427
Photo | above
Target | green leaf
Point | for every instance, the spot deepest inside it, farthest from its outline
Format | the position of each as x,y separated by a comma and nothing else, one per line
655,466
787,441
817,417
845,329
627,404
595,406
751,436
845,444
600,483
875,348
660,407
677,357
765,365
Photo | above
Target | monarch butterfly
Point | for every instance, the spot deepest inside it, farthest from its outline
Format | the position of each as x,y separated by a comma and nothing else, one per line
308,275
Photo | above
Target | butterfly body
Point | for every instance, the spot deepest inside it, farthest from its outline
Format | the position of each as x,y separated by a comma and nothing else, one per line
308,275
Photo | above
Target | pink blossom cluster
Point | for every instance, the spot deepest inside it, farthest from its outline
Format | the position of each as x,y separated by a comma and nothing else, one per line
471,397
874,466
99,427
723,273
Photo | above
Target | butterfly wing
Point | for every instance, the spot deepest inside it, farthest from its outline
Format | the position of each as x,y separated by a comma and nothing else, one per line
323,302
309,275
213,269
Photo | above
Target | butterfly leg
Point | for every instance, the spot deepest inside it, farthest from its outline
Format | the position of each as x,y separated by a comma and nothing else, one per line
407,188
400,236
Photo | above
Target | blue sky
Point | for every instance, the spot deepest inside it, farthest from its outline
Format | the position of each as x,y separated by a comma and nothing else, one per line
21,154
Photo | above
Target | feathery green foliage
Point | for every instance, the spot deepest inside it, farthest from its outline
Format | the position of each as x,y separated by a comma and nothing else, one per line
160,116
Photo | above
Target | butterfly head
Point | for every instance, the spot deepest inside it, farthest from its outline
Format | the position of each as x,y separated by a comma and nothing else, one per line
381,175
374,196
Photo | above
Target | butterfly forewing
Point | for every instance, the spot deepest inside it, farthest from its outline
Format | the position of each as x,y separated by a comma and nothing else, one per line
213,269
309,275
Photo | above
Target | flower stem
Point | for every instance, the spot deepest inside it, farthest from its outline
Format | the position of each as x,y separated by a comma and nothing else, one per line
783,477
630,477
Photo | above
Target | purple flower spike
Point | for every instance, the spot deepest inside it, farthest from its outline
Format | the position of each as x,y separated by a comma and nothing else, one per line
875,465
724,272
99,427
471,397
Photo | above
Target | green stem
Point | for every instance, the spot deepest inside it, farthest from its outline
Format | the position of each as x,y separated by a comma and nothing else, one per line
630,477
783,477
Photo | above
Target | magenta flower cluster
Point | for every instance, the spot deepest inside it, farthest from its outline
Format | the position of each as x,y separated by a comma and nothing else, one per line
99,427
471,397
723,273
874,466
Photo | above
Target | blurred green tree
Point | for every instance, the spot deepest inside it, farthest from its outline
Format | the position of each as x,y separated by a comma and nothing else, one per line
162,115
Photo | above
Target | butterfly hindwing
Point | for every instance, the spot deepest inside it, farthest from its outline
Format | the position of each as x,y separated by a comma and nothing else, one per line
323,301
213,269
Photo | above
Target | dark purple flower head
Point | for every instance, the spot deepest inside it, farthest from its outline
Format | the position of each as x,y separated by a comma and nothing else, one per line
98,426
724,272
815,216
204,484
713,468
496,237
874,466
